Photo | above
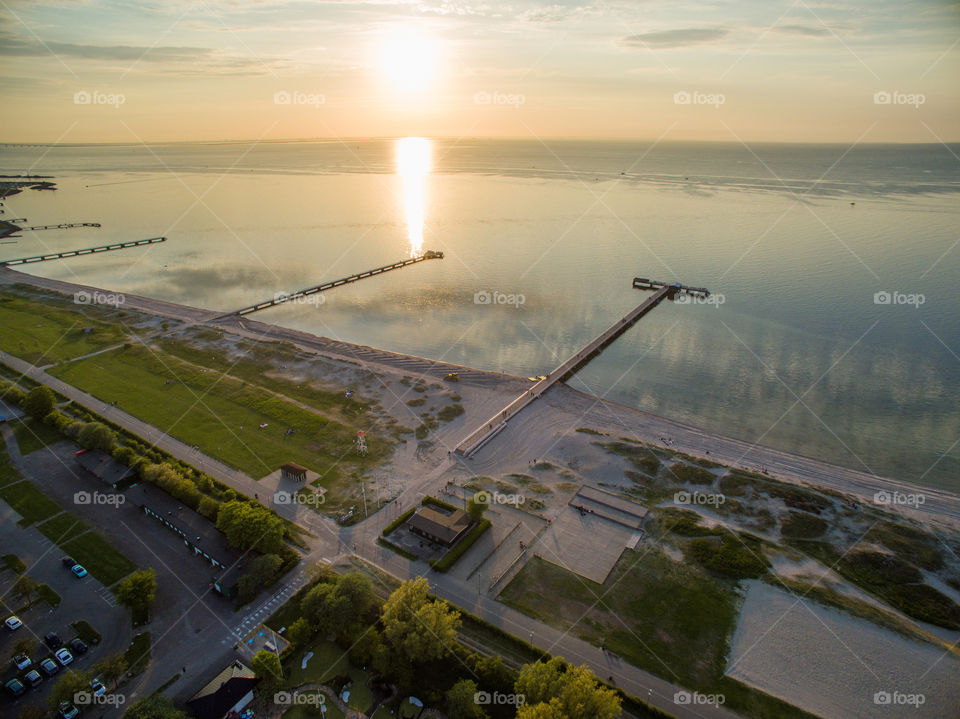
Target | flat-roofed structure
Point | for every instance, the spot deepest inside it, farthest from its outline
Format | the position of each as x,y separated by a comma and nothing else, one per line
101,465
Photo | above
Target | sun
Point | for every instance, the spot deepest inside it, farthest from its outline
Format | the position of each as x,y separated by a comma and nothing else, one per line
408,60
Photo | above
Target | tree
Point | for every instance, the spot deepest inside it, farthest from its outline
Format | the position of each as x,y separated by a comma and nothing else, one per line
25,587
548,687
32,711
138,590
261,571
39,402
24,646
96,435
248,525
340,606
266,666
476,506
155,706
111,669
415,629
461,701
300,632
71,683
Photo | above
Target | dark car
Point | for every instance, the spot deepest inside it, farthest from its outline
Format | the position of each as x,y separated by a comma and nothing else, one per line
77,646
52,640
15,687
49,667
68,562
33,677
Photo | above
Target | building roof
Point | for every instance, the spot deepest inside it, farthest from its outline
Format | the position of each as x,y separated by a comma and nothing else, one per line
222,693
198,529
436,522
293,467
104,467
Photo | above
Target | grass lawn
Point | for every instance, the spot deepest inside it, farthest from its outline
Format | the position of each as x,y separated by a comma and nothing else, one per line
48,595
138,654
86,632
99,558
29,502
205,408
32,435
8,473
328,661
12,561
306,711
51,331
62,528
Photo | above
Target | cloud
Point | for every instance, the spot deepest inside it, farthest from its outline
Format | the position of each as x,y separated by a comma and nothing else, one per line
808,30
675,38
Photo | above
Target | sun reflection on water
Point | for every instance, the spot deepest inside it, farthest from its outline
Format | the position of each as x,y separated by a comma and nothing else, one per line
413,166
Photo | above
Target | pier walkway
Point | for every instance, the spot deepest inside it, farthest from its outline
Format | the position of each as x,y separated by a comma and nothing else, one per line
282,298
85,251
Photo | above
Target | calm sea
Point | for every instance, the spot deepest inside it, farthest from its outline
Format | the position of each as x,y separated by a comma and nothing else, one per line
797,351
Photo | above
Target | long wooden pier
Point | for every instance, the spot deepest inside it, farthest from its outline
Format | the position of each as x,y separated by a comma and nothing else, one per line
9,226
84,251
284,298
494,425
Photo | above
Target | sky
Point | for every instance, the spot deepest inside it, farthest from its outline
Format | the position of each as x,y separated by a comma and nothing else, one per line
129,71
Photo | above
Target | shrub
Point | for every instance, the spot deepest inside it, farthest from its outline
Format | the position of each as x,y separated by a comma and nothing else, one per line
450,558
799,525
728,556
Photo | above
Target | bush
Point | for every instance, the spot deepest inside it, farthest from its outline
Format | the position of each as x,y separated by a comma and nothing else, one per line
94,435
728,557
396,548
438,503
398,521
799,525
39,402
450,558
11,394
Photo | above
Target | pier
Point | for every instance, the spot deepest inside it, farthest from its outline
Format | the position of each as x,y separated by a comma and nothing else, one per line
85,251
494,425
9,227
284,298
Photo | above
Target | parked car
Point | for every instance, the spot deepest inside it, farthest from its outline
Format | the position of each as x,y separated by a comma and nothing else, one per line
68,710
52,640
98,689
63,656
49,667
15,687
13,623
68,562
21,662
78,570
33,677
77,646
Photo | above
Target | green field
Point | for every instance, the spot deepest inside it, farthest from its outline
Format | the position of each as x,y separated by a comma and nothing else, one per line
221,414
29,502
32,435
51,331
63,527
304,711
328,661
99,558
8,473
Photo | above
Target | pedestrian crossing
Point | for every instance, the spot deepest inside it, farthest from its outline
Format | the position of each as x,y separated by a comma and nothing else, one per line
269,606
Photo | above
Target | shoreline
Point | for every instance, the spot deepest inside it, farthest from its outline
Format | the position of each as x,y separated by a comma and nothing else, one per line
612,418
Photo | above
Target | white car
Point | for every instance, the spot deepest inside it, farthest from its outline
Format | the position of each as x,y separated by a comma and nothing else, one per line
98,689
13,623
21,662
63,656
